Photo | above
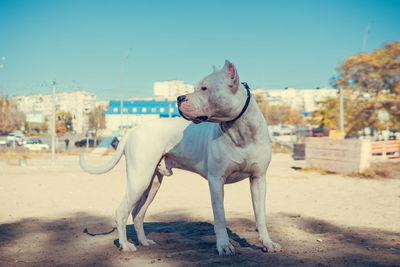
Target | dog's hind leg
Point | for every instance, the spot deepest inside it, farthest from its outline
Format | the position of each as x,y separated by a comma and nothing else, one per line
134,192
140,209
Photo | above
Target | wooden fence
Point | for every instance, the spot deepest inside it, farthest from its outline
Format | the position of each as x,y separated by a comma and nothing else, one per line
340,156
385,149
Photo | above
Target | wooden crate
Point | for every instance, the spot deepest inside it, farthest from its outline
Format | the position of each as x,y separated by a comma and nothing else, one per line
299,152
340,156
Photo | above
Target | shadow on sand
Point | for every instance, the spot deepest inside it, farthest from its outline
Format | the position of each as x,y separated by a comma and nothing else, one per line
198,235
184,242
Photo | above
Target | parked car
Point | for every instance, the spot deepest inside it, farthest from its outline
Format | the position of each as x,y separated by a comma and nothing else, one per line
82,143
35,144
5,142
15,136
319,132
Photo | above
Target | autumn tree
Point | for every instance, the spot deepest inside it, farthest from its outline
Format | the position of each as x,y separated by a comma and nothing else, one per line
97,119
280,114
359,115
44,126
60,128
295,118
394,120
263,106
327,114
63,123
10,118
371,83
66,117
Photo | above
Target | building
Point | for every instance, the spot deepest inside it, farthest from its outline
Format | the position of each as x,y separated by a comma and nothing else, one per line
78,103
135,112
304,100
104,104
170,90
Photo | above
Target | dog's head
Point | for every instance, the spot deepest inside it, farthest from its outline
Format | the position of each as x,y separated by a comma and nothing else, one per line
214,98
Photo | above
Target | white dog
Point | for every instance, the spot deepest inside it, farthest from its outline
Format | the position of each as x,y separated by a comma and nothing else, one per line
230,145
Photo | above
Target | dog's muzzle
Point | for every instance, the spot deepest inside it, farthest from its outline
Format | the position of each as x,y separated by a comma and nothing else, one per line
199,119
180,100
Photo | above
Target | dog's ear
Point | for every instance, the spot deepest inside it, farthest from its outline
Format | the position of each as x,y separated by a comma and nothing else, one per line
215,69
231,75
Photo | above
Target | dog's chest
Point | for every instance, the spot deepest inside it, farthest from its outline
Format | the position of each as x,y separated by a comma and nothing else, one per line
237,171
237,176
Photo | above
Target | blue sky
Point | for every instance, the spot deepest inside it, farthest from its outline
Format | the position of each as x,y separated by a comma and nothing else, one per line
274,44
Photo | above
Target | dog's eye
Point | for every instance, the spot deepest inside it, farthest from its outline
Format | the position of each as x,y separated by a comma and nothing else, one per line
203,88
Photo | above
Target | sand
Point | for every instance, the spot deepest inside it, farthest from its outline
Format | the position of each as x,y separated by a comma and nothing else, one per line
324,220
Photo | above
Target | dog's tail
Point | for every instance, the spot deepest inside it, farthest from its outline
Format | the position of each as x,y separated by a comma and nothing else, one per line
110,164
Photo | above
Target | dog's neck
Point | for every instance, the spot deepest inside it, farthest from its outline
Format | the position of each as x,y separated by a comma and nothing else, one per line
246,104
244,130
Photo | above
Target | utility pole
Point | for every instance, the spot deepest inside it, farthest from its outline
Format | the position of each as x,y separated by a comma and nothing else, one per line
53,125
122,94
122,89
341,107
364,43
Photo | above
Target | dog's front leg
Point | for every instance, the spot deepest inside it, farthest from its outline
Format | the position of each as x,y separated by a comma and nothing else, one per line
216,186
258,194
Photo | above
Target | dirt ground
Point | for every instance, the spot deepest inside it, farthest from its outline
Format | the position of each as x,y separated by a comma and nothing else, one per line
320,220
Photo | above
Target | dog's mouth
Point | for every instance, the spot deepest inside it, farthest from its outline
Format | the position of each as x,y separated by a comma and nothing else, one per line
200,119
196,120
183,116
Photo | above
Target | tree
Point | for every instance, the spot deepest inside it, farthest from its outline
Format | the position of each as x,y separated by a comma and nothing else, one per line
280,114
63,123
295,118
44,126
359,115
375,79
327,114
67,118
377,73
394,119
97,119
60,128
10,118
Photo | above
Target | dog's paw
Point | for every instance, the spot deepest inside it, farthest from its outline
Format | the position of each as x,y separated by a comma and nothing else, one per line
225,248
271,247
147,242
127,247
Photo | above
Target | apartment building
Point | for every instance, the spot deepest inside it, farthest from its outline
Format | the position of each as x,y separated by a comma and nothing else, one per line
169,90
304,100
78,103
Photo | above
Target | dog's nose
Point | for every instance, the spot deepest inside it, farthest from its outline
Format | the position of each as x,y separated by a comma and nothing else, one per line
181,99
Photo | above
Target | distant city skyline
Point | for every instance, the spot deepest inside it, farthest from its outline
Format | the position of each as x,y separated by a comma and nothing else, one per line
98,45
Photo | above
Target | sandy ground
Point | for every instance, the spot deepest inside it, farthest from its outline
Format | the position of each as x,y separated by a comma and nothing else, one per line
324,220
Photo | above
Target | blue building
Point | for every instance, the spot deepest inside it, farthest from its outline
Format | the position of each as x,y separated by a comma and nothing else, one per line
135,112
